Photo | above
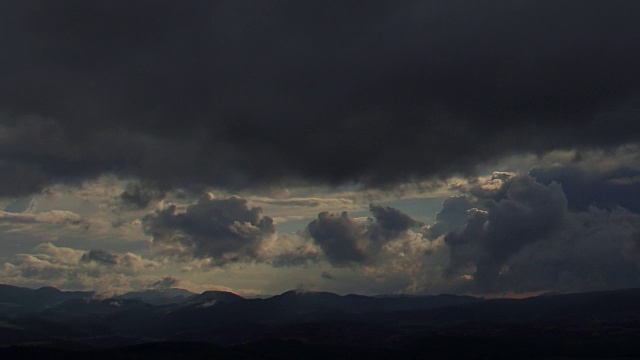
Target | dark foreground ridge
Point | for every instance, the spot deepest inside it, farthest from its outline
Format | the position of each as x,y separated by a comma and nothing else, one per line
316,325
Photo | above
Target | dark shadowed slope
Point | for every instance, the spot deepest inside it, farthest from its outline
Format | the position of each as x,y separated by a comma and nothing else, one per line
159,297
17,300
606,322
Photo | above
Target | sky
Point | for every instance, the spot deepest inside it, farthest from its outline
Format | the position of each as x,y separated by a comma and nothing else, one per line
420,147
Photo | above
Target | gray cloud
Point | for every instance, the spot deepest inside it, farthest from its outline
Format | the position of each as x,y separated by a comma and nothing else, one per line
594,251
327,275
390,222
139,195
523,236
166,282
22,178
100,256
53,217
246,94
342,239
584,188
69,268
225,230
454,215
346,241
529,212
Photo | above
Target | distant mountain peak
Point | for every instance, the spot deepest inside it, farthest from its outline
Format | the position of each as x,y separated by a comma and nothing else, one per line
304,292
159,296
49,290
218,296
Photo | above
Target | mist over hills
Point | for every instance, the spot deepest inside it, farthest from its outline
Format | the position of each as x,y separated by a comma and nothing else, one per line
296,322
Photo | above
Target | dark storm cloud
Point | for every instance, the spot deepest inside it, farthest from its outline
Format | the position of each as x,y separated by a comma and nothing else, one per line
605,189
251,93
166,282
346,241
139,195
454,215
224,230
20,178
594,251
101,257
391,222
529,212
327,275
529,239
341,238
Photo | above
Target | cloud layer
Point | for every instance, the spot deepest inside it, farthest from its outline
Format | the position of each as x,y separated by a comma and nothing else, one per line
68,268
346,241
515,233
259,98
246,94
224,230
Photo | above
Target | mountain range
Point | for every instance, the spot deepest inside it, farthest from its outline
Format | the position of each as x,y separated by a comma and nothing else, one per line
292,323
